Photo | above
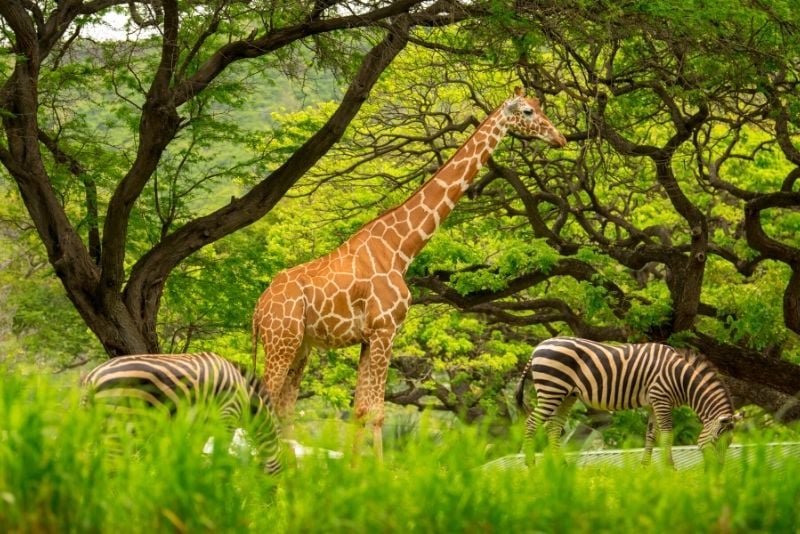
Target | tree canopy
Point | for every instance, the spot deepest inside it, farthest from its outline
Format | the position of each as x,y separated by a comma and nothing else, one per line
161,88
167,193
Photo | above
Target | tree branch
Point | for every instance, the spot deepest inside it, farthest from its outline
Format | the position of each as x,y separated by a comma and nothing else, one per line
150,272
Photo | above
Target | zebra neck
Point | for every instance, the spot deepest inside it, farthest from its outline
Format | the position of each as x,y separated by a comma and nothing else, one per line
257,385
709,400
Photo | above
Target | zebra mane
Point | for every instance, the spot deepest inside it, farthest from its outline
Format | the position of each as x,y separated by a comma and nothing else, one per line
253,380
703,366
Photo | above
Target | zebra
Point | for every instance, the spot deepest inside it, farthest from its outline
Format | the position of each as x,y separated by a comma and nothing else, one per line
167,381
620,377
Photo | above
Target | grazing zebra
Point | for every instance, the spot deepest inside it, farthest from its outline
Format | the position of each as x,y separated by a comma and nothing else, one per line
169,380
609,377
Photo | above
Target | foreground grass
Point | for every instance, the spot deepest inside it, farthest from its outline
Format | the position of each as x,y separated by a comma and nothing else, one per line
56,475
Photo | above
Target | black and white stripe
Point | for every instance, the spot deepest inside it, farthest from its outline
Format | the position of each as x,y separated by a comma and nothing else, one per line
169,380
621,377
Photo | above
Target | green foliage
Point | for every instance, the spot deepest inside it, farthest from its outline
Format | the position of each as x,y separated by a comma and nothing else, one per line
55,475
629,427
38,323
58,471
46,324
450,340
254,116
332,377
650,312
749,310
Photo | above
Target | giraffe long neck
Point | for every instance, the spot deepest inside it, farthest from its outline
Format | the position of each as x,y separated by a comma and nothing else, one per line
406,229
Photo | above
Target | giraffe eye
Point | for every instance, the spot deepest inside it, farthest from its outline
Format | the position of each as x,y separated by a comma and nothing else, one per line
528,112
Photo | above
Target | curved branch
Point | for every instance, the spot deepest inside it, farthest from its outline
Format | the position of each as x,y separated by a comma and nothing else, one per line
531,202
158,126
90,190
251,48
148,275
783,135
757,237
572,268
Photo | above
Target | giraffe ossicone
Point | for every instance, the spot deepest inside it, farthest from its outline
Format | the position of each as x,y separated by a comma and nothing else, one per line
357,293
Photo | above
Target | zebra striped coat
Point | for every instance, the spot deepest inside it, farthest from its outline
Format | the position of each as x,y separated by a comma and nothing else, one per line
169,380
620,377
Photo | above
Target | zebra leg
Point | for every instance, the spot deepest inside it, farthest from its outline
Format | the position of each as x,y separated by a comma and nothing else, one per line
663,414
557,421
528,445
649,438
545,407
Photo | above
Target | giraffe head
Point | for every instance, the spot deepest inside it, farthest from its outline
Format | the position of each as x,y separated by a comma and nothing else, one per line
525,118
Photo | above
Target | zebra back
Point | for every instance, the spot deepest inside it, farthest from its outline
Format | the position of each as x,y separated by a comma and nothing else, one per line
620,376
168,380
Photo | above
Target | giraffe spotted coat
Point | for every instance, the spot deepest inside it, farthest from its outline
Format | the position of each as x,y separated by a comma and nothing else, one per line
357,294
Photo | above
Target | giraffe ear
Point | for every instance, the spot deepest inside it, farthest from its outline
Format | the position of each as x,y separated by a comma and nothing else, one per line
519,91
512,105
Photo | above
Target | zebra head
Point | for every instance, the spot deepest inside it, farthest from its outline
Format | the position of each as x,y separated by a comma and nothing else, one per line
719,430
709,397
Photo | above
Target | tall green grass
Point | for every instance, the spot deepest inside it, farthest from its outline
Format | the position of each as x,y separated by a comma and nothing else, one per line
57,475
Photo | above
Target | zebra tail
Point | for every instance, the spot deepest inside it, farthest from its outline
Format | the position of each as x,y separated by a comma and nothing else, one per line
519,393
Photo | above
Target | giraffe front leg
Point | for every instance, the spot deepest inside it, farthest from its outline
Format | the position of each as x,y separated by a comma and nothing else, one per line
363,364
373,368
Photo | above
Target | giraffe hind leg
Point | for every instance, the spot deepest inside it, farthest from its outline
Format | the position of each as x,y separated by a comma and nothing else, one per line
281,347
280,321
287,397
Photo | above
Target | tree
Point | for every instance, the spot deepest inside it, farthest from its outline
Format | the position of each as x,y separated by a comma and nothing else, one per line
163,86
674,216
673,219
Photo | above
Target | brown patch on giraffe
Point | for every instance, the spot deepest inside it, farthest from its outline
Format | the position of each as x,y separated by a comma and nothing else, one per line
391,238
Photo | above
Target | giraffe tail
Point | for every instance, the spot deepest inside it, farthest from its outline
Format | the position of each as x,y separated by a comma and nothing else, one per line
254,342
519,392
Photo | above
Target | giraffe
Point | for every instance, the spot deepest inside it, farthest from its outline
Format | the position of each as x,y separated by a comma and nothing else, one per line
357,293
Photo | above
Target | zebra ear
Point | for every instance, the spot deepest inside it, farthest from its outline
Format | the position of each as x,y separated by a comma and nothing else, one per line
738,416
727,422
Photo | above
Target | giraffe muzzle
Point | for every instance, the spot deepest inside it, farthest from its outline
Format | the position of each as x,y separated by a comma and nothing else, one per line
556,140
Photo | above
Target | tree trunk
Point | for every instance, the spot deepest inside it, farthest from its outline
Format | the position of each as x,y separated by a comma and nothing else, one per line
122,313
